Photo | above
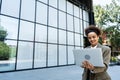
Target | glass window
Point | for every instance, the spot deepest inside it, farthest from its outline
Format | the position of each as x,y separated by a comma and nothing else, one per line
78,47
8,62
76,11
45,1
11,26
28,10
77,25
62,5
62,20
52,17
84,15
41,33
70,38
70,55
25,55
26,31
81,41
69,8
81,27
62,55
41,14
70,22
52,35
53,3
52,55
40,55
10,7
62,37
77,39
86,24
87,17
80,13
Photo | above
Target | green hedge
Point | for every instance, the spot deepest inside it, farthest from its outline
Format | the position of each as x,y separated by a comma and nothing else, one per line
4,51
114,59
3,34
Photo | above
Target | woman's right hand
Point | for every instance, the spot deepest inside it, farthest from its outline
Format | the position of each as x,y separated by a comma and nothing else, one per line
88,65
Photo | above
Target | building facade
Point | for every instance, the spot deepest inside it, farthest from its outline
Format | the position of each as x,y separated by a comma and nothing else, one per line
43,33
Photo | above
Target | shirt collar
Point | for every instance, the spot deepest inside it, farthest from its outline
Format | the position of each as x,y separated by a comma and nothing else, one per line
94,46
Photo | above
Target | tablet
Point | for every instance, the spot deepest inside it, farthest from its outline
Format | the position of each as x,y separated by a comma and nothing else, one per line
94,56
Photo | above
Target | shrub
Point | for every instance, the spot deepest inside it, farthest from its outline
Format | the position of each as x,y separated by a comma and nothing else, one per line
114,59
4,51
3,34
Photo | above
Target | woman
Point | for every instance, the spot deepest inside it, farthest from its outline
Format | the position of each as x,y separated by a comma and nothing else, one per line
90,71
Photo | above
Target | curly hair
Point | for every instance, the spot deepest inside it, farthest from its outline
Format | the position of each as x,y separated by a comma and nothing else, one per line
92,28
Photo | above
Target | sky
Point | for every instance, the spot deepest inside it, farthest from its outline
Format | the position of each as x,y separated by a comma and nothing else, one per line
101,2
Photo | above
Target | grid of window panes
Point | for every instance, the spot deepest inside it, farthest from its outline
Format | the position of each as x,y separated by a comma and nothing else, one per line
41,33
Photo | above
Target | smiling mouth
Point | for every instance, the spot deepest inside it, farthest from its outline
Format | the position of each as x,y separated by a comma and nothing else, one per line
92,42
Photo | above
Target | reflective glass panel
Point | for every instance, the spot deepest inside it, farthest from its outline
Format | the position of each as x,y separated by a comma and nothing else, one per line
10,25
81,27
26,31
87,16
70,22
62,55
52,35
70,38
62,5
62,37
76,11
86,24
84,15
81,41
69,8
70,55
45,1
52,17
41,14
10,7
53,3
28,10
40,55
78,47
52,55
25,55
7,61
80,13
62,20
41,33
77,25
77,39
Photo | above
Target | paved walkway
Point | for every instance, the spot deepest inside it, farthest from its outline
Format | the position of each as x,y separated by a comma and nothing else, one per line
57,73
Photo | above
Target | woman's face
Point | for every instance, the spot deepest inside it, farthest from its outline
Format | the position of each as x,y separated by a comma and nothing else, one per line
93,38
